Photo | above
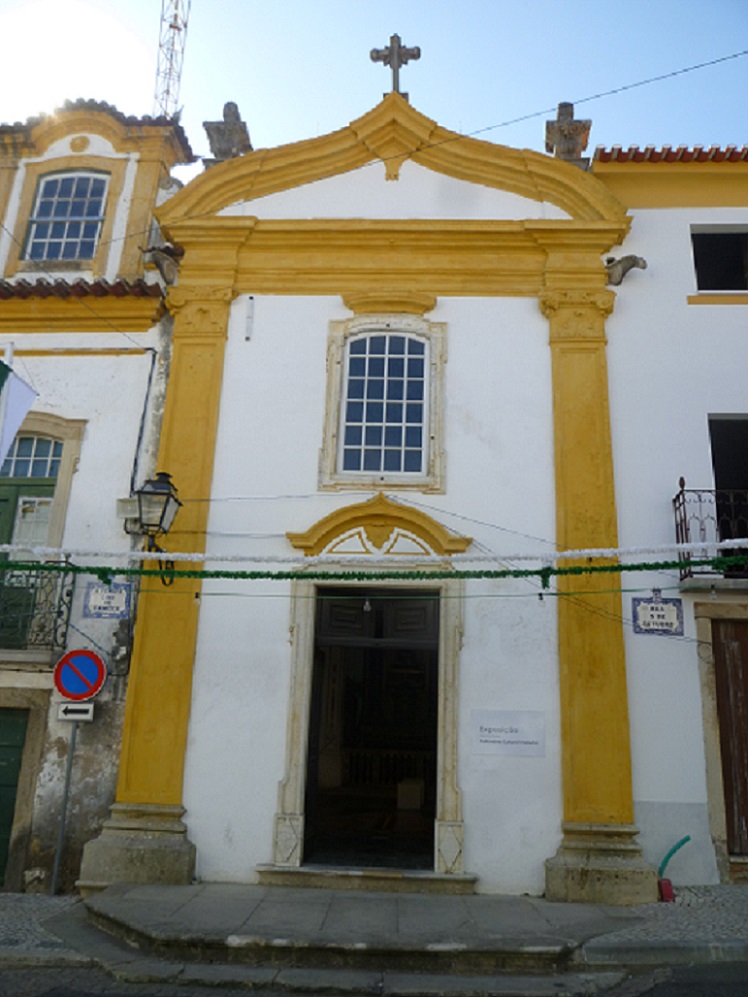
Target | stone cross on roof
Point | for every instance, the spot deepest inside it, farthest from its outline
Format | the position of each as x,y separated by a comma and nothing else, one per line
566,137
395,55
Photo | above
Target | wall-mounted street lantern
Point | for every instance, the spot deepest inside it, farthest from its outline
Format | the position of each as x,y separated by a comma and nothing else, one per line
157,506
150,513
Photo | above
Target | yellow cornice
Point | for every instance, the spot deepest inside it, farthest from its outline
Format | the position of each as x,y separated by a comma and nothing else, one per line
389,257
392,132
676,185
378,517
19,315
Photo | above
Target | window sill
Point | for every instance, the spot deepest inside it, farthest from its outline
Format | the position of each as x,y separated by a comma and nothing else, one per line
718,298
373,482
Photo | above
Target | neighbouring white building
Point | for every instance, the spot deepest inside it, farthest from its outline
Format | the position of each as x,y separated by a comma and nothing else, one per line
90,335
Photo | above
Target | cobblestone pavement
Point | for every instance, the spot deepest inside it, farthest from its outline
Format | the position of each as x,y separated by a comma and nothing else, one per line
22,930
700,913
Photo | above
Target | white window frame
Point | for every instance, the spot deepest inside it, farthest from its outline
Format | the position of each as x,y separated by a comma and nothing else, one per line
331,473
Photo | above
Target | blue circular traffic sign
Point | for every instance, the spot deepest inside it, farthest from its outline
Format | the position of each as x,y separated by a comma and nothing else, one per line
79,675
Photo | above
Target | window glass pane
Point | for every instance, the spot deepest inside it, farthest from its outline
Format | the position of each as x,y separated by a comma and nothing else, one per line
25,446
357,367
371,460
415,347
54,467
396,367
394,412
415,390
42,446
81,187
50,187
415,367
21,468
68,252
413,436
39,468
356,388
58,230
377,344
53,250
414,413
373,436
395,390
397,344
45,209
375,389
412,460
355,412
353,436
66,186
376,367
393,436
374,412
87,250
392,460
357,346
351,460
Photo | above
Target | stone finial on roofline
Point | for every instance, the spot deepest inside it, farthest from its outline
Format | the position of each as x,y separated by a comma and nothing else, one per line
567,138
228,138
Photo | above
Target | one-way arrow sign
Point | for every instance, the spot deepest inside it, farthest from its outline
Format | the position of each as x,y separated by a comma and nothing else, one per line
82,712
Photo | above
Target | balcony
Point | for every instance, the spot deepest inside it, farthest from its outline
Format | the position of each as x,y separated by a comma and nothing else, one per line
34,609
708,516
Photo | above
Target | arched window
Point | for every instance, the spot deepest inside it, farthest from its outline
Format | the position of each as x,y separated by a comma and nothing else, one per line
384,403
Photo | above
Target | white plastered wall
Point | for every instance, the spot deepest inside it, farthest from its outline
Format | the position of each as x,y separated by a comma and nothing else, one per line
671,364
499,490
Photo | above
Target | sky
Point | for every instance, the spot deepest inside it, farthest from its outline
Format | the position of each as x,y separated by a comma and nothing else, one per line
300,68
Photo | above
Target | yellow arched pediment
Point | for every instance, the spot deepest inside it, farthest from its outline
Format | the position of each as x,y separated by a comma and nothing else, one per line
392,132
378,525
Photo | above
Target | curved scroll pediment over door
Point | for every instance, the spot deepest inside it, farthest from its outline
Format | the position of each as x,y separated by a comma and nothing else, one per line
379,526
354,534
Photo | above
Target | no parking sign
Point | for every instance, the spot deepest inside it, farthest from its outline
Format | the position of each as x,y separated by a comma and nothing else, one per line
79,675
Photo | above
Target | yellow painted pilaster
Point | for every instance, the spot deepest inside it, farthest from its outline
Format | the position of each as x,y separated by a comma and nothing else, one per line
595,726
598,860
158,698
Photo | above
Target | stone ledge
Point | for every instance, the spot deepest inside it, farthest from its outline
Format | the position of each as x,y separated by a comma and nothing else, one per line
370,880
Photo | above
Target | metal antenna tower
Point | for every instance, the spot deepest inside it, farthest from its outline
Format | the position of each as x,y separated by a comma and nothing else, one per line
172,40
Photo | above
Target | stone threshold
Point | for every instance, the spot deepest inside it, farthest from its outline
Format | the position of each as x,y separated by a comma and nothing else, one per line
369,880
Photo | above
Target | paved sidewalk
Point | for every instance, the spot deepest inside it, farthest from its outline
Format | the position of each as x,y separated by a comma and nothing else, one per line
345,942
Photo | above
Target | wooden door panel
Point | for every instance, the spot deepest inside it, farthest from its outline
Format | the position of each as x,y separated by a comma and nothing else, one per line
730,639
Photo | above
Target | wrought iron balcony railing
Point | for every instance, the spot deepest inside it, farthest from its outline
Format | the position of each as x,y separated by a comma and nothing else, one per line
708,516
34,608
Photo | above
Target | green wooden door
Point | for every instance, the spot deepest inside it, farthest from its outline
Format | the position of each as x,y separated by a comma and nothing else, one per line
12,736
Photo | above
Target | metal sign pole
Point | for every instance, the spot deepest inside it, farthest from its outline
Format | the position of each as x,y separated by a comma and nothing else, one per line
65,795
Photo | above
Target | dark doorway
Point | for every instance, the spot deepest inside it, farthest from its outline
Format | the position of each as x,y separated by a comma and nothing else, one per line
12,739
729,440
371,761
730,641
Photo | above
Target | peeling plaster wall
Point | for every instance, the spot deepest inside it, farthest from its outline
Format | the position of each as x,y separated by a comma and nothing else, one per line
109,393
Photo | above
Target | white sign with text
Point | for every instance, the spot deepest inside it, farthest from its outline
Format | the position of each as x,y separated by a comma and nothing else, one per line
508,732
